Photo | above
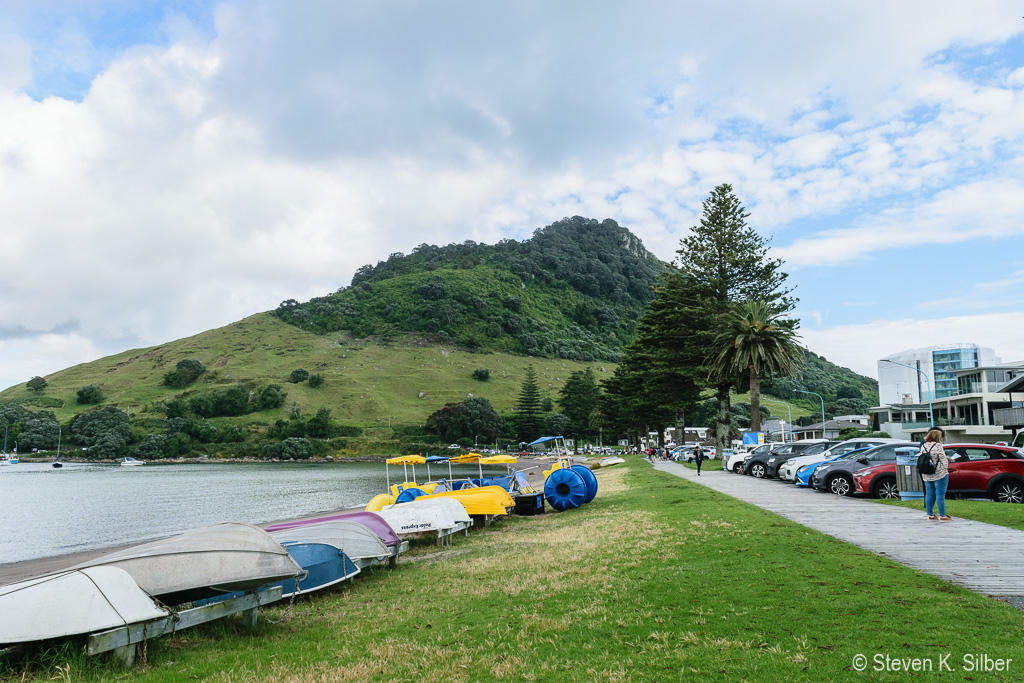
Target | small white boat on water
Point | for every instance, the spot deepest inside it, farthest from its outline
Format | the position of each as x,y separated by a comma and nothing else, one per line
439,516
223,558
131,462
72,602
9,459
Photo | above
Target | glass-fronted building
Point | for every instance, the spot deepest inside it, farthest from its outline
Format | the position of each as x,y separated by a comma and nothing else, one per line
946,361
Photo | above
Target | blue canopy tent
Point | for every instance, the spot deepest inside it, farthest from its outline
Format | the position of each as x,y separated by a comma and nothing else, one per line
545,439
438,458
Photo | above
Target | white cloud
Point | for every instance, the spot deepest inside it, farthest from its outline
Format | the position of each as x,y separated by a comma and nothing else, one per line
15,61
200,182
860,346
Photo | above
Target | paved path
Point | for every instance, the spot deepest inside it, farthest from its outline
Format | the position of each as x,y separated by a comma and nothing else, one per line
981,557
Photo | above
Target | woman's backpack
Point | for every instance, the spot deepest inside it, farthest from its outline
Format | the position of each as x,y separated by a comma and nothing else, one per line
924,462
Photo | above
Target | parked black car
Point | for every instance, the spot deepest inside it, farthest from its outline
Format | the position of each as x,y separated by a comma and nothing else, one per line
777,460
837,476
757,466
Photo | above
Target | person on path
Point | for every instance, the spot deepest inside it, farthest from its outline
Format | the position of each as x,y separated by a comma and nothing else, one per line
698,457
935,485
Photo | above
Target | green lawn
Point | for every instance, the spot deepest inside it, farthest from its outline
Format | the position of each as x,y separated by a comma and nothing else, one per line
658,579
1002,514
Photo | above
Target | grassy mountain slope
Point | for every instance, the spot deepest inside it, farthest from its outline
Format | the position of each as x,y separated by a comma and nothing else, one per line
365,382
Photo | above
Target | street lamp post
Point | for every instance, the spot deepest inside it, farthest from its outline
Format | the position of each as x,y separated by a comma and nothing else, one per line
931,413
790,411
822,408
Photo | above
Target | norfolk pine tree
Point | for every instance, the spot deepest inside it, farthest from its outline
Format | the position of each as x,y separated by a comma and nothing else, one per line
529,417
728,263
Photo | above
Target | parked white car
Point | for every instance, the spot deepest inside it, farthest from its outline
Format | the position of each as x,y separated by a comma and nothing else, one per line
788,471
735,463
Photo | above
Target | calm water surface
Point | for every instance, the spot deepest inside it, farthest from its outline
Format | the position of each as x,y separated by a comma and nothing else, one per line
46,512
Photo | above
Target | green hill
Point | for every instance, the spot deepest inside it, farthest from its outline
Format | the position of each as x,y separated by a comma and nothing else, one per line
574,290
397,345
370,384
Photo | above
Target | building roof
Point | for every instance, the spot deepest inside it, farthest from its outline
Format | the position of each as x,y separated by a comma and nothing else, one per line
837,425
1015,384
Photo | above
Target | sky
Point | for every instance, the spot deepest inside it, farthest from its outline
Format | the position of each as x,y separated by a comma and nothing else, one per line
171,167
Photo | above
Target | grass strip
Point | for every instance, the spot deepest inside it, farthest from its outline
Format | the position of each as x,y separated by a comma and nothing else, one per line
658,579
990,512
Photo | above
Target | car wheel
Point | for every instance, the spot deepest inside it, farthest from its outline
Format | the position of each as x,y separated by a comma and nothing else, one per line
840,485
738,468
757,471
1008,492
887,488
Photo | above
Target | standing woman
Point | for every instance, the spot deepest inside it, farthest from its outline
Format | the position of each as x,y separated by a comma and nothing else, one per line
698,457
935,485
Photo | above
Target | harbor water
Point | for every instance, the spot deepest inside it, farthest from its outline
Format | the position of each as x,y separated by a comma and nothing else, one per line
46,511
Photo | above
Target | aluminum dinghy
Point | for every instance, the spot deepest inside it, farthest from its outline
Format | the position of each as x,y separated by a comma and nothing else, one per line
73,602
359,542
223,558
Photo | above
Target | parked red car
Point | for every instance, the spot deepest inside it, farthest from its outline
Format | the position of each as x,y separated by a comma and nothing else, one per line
975,469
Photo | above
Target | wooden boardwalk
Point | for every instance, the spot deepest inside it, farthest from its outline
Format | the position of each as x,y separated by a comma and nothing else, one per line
981,557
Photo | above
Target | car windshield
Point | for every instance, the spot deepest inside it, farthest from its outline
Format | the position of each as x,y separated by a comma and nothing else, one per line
816,448
853,455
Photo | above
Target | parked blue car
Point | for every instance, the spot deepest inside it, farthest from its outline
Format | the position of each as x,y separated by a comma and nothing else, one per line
804,474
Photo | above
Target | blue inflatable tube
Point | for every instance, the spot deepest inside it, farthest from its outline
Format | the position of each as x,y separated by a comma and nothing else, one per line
565,489
409,495
589,479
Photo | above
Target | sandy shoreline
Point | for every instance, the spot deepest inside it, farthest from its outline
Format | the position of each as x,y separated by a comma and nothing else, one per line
13,572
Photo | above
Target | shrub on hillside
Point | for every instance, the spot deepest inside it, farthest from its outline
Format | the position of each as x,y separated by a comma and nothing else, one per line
290,448
185,372
316,381
104,431
481,374
89,395
298,375
37,383
271,396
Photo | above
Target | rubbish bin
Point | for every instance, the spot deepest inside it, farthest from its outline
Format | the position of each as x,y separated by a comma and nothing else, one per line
907,478
726,454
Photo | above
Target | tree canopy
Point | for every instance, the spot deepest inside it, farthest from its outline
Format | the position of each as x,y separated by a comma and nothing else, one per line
755,338
469,419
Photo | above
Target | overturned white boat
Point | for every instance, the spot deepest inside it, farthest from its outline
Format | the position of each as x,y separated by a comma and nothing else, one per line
73,602
223,558
437,516
362,545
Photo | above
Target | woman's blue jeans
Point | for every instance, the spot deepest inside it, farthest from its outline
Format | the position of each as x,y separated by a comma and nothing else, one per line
936,491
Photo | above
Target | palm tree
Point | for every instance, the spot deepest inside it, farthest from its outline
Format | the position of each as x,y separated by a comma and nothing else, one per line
757,339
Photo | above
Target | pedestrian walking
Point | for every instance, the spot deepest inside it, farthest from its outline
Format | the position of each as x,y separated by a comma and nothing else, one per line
698,457
935,484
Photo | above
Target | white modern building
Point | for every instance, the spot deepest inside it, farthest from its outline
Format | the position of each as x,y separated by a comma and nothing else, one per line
920,375
981,409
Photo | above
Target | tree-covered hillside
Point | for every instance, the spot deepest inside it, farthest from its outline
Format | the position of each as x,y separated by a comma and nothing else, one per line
574,290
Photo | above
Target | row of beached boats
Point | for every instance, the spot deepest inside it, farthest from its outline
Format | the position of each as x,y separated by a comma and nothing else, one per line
154,582
120,597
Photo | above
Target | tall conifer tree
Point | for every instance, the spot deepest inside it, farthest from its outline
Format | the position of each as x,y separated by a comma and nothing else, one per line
728,263
529,418
579,399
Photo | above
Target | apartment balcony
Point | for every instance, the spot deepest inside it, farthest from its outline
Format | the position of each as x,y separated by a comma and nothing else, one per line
1013,417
